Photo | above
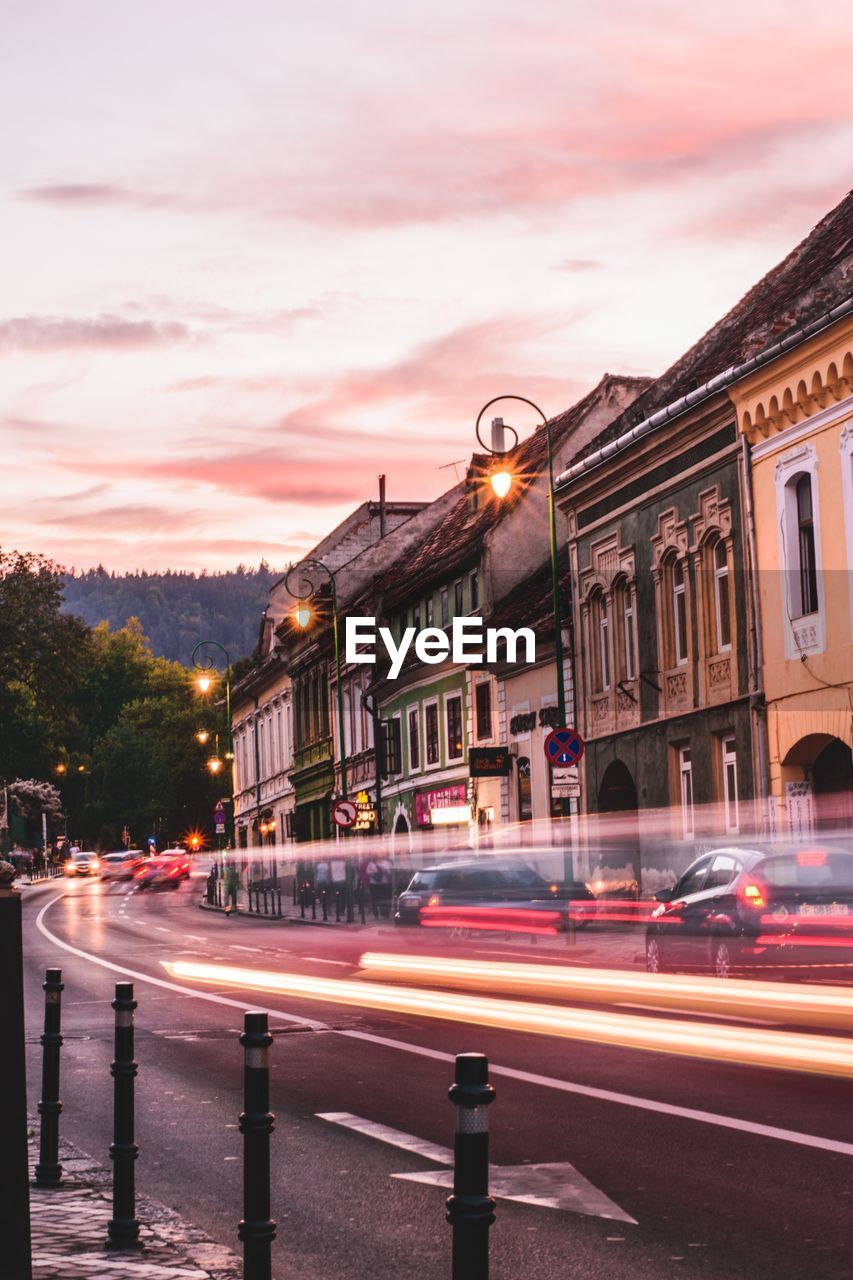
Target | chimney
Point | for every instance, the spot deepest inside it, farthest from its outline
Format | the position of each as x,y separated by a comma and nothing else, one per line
498,436
381,507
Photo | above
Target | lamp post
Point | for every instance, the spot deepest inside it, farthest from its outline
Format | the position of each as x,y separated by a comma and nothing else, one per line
502,481
202,660
303,615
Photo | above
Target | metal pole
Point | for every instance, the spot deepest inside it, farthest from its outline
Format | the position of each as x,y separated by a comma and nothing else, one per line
471,1210
257,1229
48,1170
14,1172
123,1227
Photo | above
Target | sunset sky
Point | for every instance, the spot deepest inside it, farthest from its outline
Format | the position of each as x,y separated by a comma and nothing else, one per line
255,254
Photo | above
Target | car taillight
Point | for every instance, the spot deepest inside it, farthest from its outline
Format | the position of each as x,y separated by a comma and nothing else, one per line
433,900
752,894
140,873
811,858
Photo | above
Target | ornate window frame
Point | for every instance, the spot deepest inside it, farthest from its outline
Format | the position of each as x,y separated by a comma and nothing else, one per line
711,527
612,704
804,634
670,546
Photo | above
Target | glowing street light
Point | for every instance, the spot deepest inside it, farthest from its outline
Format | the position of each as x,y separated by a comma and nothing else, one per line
204,682
203,663
214,764
501,482
303,614
202,736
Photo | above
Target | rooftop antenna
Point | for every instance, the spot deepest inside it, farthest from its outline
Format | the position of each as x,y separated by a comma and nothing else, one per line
459,462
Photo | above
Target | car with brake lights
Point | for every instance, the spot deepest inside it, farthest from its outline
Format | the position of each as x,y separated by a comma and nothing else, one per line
787,910
121,865
163,870
490,882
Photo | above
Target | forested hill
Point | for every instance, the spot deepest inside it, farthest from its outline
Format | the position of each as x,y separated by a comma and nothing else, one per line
176,609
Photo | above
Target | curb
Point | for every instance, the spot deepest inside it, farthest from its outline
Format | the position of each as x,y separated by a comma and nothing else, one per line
252,915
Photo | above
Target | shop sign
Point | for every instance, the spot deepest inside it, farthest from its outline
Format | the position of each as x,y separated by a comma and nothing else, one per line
450,798
489,762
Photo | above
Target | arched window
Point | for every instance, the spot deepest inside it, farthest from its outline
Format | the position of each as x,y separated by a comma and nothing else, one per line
626,636
807,559
679,612
599,643
722,604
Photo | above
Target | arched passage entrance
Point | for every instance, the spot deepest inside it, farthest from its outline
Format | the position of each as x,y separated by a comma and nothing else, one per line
833,785
620,833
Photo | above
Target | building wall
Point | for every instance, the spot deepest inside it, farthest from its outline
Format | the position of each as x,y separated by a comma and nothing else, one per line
797,415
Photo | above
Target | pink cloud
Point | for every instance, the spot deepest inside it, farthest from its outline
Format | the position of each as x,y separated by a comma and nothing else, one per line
56,333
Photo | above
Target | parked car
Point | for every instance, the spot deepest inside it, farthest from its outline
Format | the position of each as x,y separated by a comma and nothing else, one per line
489,882
164,870
83,863
121,865
736,910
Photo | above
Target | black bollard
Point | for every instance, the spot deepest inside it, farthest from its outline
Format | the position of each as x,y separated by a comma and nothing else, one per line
361,903
324,904
48,1169
257,1229
123,1227
302,902
14,1174
471,1210
278,895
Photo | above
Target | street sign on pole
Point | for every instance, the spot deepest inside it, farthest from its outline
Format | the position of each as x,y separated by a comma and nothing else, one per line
344,813
219,820
563,747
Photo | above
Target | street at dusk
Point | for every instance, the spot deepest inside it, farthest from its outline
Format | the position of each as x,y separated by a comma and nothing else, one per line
708,1193
426,642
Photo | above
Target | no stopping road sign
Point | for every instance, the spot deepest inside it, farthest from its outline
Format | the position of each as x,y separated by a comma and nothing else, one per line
563,747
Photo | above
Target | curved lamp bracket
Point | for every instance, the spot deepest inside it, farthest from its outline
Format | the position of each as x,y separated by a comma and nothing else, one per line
496,400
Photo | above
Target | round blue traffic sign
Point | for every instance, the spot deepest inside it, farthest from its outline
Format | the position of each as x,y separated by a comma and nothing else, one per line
563,747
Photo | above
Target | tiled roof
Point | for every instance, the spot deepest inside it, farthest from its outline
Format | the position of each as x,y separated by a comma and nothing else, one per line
531,603
458,538
811,280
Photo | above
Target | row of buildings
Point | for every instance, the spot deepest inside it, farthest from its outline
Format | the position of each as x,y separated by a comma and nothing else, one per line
705,529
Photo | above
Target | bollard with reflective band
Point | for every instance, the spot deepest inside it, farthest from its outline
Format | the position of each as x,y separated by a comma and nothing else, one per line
471,1210
257,1229
48,1170
123,1227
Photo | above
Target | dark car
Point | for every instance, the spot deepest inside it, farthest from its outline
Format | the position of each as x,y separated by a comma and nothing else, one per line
478,882
164,870
735,910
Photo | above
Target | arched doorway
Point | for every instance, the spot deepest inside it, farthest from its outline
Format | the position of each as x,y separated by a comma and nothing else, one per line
833,786
620,834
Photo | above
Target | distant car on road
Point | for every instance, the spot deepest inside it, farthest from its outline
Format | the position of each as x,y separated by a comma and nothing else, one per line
164,870
121,865
83,863
488,882
735,910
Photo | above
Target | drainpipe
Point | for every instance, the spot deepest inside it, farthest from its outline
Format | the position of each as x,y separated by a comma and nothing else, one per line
381,507
758,709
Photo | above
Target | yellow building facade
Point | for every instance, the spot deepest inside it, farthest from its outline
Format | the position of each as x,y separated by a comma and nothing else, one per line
796,415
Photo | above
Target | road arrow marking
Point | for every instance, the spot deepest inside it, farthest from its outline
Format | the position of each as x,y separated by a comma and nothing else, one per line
551,1186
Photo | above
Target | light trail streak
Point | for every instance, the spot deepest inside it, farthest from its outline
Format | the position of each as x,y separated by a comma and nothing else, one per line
809,1005
819,1055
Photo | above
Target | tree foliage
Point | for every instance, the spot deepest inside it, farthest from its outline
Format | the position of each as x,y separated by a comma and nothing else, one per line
176,609
94,710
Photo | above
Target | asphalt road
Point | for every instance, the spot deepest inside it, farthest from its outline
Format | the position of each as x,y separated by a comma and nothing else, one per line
711,1196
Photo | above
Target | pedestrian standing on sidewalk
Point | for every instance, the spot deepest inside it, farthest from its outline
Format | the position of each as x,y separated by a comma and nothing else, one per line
232,884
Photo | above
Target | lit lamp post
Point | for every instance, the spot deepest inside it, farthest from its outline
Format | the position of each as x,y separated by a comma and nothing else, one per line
299,583
502,480
203,662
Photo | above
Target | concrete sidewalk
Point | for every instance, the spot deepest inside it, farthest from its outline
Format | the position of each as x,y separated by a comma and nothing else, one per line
69,1230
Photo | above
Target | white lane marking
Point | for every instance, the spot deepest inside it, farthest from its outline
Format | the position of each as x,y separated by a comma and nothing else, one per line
236,947
623,1099
551,1186
692,1013
510,1073
162,982
196,937
347,964
394,1137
